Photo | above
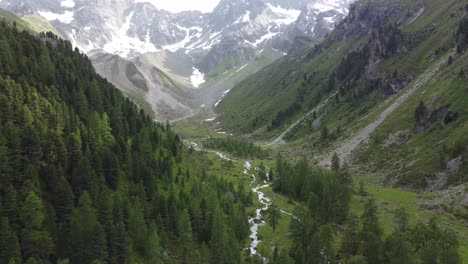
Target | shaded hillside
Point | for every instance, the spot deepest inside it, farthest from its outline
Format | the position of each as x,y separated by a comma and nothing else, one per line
87,177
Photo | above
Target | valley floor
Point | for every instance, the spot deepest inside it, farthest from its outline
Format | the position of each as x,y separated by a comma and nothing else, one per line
387,199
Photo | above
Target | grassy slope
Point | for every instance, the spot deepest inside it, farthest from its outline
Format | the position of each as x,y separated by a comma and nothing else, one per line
33,23
260,97
274,88
253,103
39,24
11,18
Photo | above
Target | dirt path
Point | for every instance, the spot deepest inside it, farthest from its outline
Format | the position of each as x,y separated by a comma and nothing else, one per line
280,141
345,149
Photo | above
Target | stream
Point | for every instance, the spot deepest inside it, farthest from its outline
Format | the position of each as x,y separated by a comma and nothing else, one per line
257,221
256,186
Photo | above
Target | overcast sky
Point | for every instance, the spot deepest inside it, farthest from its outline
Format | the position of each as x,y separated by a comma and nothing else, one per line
182,5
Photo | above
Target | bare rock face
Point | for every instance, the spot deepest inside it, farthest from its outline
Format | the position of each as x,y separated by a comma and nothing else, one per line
129,29
464,202
232,35
452,167
363,19
397,138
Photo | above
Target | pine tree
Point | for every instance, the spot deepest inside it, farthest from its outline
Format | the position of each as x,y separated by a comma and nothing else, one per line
420,113
185,237
9,245
335,162
10,207
350,241
87,237
153,253
218,238
35,240
273,215
371,233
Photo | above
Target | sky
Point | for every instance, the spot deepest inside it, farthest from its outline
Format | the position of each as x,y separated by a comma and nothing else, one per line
182,5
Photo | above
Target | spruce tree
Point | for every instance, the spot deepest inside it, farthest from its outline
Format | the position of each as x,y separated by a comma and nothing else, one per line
35,240
273,215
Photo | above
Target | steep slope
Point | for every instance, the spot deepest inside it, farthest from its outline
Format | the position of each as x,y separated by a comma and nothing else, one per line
128,28
384,57
150,87
189,47
12,18
87,177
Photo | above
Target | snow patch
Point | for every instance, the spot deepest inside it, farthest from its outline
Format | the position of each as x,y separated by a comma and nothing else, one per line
205,44
288,16
241,68
328,5
68,3
244,19
197,78
219,101
123,45
188,37
263,38
65,18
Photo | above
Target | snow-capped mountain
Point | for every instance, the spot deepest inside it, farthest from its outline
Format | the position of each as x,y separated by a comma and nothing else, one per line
186,46
128,29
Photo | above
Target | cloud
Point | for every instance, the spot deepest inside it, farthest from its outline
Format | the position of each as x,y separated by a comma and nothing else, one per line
183,5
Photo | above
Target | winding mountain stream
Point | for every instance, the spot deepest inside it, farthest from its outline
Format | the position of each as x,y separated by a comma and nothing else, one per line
256,186
257,221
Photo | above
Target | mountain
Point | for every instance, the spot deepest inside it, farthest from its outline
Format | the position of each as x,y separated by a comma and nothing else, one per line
186,46
388,83
129,29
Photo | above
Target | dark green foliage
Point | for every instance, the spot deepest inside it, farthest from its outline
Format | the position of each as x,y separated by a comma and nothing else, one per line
420,113
371,233
273,215
335,166
435,244
421,243
236,147
462,35
283,116
350,242
327,193
86,176
327,196
352,65
9,245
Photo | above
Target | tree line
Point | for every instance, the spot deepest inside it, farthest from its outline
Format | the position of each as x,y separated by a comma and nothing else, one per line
324,231
88,177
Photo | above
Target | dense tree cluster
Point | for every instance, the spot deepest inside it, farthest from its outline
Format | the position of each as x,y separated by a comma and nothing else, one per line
327,193
285,115
462,35
87,177
364,240
326,197
353,65
236,147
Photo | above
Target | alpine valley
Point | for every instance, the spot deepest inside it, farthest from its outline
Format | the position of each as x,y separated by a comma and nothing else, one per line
262,131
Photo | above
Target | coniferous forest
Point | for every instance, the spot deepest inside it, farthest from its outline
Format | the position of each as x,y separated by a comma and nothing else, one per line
87,177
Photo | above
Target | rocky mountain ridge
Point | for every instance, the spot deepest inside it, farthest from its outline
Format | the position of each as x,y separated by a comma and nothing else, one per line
187,47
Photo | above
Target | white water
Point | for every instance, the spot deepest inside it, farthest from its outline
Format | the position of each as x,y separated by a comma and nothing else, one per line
257,221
